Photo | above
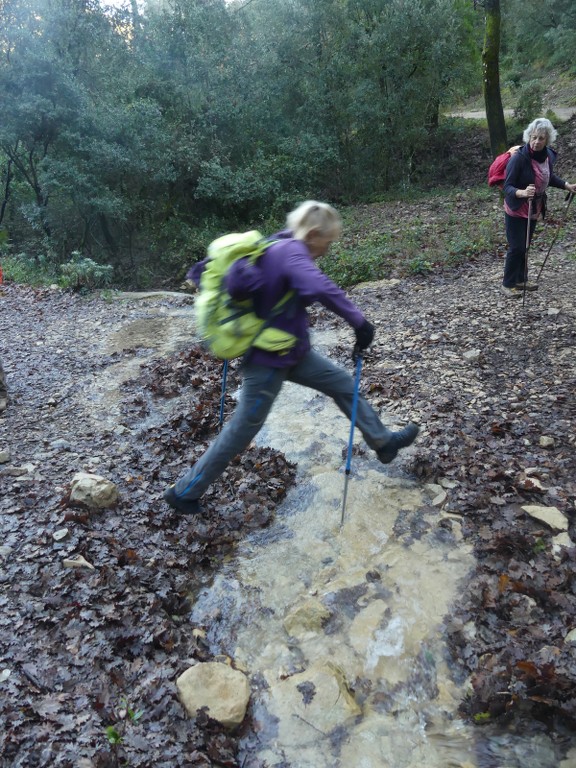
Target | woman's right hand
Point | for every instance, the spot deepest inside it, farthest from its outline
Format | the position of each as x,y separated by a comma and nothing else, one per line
529,192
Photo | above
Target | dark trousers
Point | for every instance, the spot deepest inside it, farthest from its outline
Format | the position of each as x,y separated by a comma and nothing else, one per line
516,268
260,388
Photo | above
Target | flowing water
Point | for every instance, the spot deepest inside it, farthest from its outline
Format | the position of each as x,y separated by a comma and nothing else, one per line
340,627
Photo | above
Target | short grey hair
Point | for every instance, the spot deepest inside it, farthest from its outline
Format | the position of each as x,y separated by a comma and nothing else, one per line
538,125
312,215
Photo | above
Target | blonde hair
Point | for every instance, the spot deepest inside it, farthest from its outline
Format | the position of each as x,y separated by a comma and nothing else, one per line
310,216
544,125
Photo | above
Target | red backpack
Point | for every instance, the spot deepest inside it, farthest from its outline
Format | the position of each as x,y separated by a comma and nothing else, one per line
497,170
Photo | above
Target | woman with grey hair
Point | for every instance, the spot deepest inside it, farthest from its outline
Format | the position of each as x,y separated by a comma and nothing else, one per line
530,171
288,265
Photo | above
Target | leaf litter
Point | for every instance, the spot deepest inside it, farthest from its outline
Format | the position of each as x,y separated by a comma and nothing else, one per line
77,642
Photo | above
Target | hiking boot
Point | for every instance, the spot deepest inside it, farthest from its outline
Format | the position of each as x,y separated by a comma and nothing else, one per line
184,506
398,440
511,293
526,286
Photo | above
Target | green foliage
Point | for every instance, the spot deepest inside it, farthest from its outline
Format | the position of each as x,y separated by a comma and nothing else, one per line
530,97
537,35
83,273
420,265
29,270
113,736
369,260
125,715
426,244
130,138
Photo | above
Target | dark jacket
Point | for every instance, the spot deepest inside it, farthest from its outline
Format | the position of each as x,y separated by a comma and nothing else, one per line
519,174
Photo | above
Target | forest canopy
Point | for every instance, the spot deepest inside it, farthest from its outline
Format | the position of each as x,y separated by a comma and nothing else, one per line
130,134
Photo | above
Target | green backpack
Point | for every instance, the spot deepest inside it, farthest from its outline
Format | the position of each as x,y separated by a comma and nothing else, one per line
229,327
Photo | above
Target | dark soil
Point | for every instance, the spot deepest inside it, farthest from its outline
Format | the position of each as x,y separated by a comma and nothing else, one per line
88,650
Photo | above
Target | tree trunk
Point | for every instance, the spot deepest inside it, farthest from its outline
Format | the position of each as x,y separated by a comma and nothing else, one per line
7,190
491,78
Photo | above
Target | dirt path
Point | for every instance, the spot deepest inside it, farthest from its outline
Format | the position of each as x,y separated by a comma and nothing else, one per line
563,113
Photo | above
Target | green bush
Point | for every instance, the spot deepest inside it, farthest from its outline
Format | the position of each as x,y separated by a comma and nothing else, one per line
370,260
29,270
83,274
529,103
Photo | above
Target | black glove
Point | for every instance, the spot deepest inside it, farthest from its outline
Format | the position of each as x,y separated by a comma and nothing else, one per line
364,336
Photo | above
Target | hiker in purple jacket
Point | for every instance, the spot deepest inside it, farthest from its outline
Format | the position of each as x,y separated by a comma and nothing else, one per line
289,265
530,171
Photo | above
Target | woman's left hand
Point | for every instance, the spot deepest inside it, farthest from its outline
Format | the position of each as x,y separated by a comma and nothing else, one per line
571,188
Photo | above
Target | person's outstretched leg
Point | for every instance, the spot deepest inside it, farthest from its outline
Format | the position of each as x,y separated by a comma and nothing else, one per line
260,388
317,372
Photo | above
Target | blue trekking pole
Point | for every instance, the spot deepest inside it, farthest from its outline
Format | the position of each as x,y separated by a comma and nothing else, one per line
223,393
351,437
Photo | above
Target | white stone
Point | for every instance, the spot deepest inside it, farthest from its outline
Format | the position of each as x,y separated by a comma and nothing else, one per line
223,690
439,500
77,562
560,541
547,442
472,355
549,515
93,491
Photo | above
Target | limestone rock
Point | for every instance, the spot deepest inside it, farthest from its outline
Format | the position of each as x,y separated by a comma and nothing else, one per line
77,562
223,690
546,442
561,540
93,491
306,619
317,699
472,355
549,515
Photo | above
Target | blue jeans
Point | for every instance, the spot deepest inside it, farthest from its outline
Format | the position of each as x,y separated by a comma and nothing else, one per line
516,267
261,386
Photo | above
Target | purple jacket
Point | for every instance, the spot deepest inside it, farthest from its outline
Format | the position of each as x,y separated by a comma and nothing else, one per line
286,265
